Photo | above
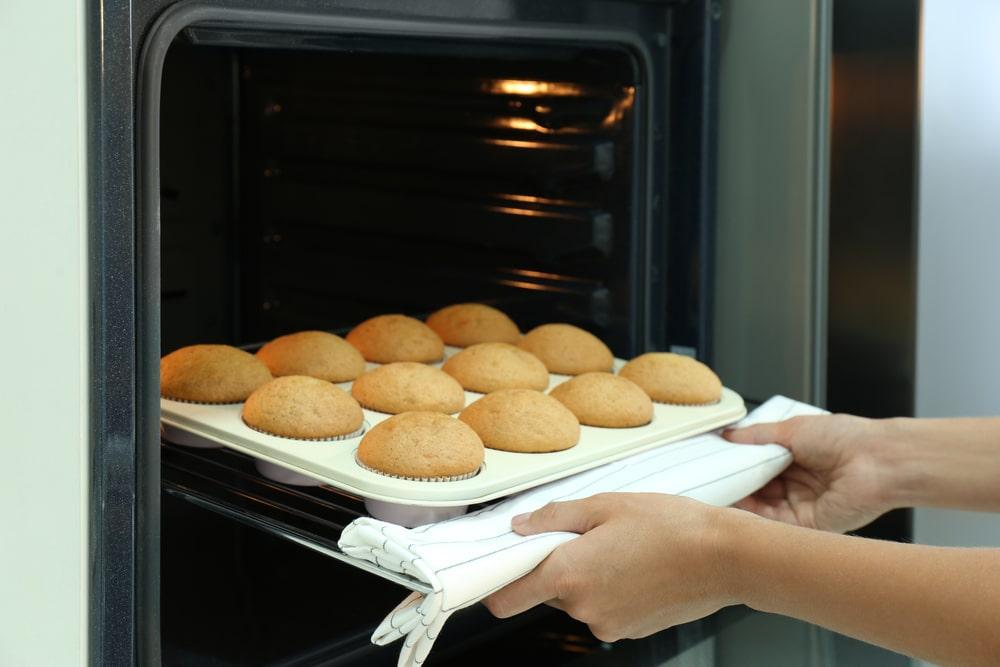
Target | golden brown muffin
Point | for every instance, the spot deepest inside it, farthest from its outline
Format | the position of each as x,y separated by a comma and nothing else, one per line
422,445
674,378
490,367
567,349
297,406
522,420
603,399
465,324
405,386
387,338
317,354
211,374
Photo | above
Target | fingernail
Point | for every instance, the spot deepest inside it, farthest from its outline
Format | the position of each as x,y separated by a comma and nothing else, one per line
520,519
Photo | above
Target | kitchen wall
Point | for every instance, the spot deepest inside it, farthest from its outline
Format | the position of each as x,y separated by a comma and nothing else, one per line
958,307
43,335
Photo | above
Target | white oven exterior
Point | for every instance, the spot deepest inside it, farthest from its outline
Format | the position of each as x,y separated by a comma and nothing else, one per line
44,482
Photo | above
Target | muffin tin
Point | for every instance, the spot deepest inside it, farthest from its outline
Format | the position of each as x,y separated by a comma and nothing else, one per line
503,473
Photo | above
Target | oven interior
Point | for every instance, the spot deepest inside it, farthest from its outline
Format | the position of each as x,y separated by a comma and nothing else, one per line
316,186
312,189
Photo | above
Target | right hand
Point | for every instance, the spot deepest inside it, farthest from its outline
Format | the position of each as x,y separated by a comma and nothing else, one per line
836,481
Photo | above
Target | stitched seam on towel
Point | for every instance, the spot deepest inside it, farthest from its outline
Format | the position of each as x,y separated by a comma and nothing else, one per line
623,465
410,546
662,470
732,474
531,539
687,490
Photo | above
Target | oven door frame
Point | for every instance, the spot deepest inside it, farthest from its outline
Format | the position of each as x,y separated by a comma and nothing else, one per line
122,50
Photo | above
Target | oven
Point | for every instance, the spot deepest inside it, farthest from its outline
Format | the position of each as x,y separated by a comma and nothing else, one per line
310,165
256,168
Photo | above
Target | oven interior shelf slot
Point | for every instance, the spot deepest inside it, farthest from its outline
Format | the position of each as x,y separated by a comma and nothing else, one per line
226,483
494,221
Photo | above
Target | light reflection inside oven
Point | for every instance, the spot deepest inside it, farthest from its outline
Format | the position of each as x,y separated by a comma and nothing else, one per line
536,287
520,143
620,109
532,88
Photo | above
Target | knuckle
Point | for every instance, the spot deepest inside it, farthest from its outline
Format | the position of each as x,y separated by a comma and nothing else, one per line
495,606
604,632
546,512
786,430
565,582
574,609
600,505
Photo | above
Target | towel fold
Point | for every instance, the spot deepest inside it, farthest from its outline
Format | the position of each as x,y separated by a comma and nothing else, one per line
466,558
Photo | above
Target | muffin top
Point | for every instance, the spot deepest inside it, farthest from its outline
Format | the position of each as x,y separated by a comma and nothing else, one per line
387,338
211,374
603,399
422,445
405,386
487,367
465,324
673,378
317,354
567,349
522,420
298,406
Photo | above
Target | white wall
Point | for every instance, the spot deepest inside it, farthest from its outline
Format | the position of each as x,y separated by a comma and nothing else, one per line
958,308
43,311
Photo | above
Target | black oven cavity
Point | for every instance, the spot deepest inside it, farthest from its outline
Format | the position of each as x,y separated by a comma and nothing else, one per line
310,170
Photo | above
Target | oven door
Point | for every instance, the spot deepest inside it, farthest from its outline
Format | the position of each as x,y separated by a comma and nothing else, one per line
308,167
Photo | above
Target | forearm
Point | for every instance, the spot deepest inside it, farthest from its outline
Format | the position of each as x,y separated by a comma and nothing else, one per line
935,603
951,463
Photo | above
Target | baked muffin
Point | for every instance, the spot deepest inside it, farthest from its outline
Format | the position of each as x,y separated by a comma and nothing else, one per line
490,367
317,354
211,374
422,445
603,399
522,420
465,324
297,406
567,349
673,378
387,338
405,386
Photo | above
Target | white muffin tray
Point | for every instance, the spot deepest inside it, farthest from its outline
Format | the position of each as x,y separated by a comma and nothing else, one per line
503,473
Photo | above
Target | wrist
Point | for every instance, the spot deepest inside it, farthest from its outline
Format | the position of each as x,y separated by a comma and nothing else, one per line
900,476
735,536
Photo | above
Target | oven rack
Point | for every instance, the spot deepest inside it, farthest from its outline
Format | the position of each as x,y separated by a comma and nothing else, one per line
225,482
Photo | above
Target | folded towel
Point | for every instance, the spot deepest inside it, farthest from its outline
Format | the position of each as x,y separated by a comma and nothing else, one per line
466,558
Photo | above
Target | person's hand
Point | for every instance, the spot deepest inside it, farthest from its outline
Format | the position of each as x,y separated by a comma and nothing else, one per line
836,482
643,562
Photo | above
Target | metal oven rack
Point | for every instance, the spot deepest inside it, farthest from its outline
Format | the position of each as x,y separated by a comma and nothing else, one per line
225,481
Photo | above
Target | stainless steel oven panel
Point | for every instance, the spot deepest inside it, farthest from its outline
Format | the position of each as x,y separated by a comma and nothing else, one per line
771,228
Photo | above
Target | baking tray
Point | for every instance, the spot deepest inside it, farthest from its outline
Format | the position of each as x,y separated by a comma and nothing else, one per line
503,473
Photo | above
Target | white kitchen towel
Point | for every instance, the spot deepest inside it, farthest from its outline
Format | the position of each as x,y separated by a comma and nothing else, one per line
466,558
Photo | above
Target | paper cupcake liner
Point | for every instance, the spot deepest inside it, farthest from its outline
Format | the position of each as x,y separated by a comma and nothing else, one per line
452,478
334,438
186,400
689,405
393,414
618,428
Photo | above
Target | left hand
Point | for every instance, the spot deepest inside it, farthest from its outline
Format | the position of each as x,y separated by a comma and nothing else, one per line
643,562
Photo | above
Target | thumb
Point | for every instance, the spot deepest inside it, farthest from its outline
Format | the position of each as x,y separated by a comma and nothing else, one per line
574,516
759,434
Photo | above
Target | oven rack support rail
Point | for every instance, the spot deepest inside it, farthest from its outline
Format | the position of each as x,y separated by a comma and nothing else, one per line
225,482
